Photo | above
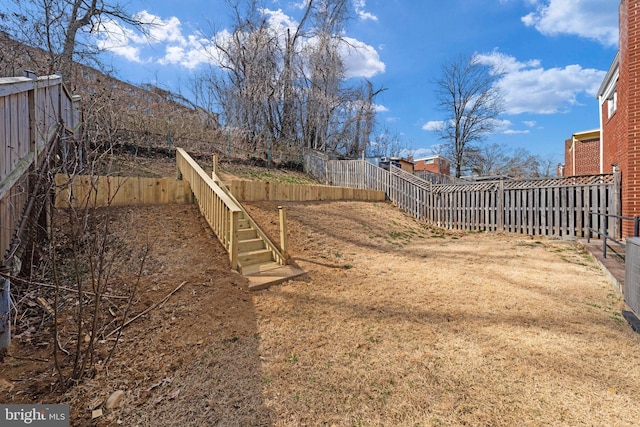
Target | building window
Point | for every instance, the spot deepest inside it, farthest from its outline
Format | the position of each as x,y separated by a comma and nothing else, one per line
612,102
429,161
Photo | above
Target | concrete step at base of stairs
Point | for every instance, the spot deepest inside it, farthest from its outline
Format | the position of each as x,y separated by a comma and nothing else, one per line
259,268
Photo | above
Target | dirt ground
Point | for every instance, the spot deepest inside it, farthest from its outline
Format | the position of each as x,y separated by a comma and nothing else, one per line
395,324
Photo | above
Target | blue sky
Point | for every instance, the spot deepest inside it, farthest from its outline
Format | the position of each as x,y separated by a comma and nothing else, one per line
555,53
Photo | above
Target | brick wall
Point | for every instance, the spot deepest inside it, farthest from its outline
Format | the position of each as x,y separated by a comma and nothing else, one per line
612,135
568,158
585,153
438,166
629,106
587,157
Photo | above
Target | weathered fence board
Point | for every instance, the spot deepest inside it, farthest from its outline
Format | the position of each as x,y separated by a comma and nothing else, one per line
30,113
551,207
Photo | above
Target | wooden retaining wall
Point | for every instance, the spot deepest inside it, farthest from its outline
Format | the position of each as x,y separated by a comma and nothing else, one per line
96,191
254,191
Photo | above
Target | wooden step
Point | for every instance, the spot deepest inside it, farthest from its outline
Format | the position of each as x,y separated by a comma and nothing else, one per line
251,245
254,257
247,234
244,224
270,274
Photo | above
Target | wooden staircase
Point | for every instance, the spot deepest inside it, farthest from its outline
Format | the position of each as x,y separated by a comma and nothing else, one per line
258,259
253,253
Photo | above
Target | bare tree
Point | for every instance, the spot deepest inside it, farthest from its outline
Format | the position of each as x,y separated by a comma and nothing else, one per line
287,85
55,26
468,95
499,159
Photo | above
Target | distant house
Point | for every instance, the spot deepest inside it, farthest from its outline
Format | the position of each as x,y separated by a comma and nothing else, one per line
385,162
435,164
406,165
614,121
582,154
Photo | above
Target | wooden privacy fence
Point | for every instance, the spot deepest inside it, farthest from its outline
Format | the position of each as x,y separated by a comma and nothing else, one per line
357,174
553,207
33,114
550,207
96,191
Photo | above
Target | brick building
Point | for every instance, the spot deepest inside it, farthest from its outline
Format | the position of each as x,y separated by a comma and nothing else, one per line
582,154
619,102
619,133
435,164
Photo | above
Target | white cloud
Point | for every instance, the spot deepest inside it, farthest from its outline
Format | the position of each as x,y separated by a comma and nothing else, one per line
592,19
192,50
529,88
380,108
301,5
363,15
516,132
360,59
119,40
530,123
160,30
434,125
502,125
279,19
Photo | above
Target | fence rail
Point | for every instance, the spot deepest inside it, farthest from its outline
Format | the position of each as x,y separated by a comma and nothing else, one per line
557,207
604,234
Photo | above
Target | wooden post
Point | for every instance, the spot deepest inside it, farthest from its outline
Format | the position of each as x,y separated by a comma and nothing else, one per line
214,174
500,206
5,317
284,238
178,161
233,240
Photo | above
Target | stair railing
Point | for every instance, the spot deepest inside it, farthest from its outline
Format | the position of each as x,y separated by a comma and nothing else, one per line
277,254
221,212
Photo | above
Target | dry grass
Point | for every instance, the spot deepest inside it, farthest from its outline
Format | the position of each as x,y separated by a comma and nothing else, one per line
395,325
440,329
